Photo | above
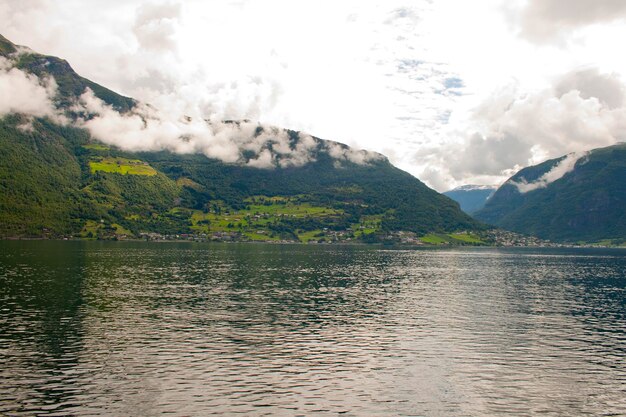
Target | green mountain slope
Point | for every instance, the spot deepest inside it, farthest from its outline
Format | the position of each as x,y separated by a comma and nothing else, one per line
586,204
58,181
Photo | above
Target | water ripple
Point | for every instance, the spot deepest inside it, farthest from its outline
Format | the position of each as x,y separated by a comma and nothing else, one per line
191,329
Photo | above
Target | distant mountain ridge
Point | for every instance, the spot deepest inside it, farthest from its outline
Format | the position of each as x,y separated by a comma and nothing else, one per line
471,197
57,180
571,198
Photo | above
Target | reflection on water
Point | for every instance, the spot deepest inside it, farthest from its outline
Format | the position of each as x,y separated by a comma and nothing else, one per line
198,329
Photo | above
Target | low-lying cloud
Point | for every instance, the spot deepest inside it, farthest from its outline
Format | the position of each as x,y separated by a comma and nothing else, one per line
242,142
563,167
146,128
25,93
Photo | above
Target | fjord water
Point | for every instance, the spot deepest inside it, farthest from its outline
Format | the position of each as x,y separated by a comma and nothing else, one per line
91,328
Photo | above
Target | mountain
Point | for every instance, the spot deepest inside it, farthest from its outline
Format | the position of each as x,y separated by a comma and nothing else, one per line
70,85
571,198
61,176
471,197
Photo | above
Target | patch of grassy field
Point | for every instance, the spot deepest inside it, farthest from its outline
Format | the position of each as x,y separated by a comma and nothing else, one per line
435,239
353,189
212,222
90,230
368,224
254,221
259,237
96,147
620,243
451,238
310,235
121,166
187,182
292,209
94,229
466,238
120,230
260,199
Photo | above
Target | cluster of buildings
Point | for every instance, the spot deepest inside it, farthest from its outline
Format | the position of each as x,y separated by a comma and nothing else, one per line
500,237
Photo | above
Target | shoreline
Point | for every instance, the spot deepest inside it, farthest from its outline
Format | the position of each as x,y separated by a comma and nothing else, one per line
551,245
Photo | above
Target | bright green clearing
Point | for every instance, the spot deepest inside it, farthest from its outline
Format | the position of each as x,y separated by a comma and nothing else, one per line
450,238
96,147
620,243
311,235
293,210
466,237
259,220
187,182
122,166
434,239
368,224
94,229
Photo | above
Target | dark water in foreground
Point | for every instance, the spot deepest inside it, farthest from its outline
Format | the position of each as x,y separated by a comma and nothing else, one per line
90,328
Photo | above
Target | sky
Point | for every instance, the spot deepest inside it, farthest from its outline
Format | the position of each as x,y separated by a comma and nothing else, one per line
454,92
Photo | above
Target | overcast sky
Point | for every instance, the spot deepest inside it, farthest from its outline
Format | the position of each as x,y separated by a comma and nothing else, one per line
453,91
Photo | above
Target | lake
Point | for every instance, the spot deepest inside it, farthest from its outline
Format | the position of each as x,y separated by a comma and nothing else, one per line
133,329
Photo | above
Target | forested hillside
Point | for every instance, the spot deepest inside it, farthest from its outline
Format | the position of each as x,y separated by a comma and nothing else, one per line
587,203
57,180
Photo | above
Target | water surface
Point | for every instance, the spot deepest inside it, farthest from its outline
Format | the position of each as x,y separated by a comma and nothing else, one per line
90,328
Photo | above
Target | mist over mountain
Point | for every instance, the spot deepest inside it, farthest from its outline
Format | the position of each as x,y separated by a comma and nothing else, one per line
81,160
577,197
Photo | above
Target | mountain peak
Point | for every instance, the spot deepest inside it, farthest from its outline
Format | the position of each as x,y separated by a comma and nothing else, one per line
473,187
6,46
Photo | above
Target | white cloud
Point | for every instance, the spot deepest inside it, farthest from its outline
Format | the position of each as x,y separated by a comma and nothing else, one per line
549,20
253,144
156,25
25,93
514,129
607,88
356,156
565,166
